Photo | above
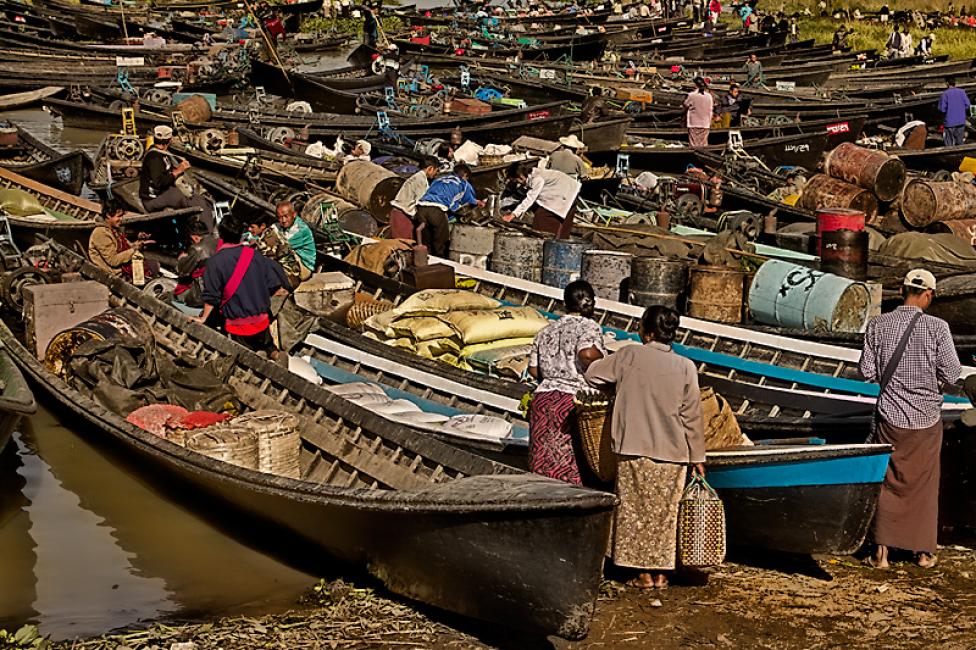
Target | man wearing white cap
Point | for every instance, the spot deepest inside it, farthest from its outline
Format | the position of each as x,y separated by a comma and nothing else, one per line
157,179
911,356
566,160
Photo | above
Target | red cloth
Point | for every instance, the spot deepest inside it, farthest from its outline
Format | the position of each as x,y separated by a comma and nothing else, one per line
201,419
401,227
248,326
155,418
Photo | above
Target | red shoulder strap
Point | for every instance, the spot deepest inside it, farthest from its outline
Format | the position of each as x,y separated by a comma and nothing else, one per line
243,263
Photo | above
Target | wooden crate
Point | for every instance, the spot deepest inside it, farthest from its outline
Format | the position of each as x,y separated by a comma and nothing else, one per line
634,95
53,308
469,106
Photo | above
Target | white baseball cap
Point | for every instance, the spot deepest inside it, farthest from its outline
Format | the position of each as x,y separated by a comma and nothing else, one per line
920,279
163,132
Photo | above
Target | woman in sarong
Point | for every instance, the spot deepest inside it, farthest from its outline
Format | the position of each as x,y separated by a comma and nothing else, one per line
561,353
657,433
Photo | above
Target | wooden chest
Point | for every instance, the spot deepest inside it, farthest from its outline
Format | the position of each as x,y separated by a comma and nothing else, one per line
53,308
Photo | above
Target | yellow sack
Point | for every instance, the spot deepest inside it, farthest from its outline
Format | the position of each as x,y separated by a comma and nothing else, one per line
421,328
500,345
507,323
379,323
438,347
441,301
20,203
721,428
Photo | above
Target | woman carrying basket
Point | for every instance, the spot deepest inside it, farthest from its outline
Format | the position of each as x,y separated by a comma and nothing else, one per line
561,353
657,432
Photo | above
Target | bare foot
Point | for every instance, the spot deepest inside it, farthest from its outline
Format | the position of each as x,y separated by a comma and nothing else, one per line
927,560
642,581
880,558
660,581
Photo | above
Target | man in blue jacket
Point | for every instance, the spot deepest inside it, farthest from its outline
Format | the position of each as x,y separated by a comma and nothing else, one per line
446,195
954,105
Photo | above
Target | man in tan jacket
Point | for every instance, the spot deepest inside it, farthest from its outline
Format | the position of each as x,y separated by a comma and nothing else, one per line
108,247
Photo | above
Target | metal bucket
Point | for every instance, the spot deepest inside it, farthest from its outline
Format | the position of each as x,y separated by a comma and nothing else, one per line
657,281
822,191
845,253
471,245
114,324
369,186
562,261
195,109
790,295
924,202
868,168
608,272
518,256
715,293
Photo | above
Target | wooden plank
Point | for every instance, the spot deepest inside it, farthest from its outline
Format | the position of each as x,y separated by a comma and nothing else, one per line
50,192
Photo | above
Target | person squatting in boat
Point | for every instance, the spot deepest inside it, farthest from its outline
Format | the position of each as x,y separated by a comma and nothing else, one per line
110,250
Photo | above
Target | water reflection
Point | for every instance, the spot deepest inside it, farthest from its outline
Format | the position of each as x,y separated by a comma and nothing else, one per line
88,545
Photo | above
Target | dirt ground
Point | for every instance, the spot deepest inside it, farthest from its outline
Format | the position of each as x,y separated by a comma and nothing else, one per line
771,602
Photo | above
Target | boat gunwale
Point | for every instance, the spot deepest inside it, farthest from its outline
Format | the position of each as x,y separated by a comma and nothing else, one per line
438,497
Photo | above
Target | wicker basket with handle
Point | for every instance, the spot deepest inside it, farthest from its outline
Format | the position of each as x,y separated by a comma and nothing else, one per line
593,415
701,525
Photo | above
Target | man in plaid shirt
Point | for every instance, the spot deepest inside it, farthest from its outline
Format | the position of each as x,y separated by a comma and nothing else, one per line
909,417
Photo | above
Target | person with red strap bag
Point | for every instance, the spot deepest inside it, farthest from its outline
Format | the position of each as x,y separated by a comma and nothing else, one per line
238,283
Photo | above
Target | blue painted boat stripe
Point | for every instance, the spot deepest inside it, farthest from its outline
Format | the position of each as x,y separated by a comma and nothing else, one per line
758,368
833,471
335,375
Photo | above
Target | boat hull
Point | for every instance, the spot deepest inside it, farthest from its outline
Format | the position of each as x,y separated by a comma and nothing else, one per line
805,503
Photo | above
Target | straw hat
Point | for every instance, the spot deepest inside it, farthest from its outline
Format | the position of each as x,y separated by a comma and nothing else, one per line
572,142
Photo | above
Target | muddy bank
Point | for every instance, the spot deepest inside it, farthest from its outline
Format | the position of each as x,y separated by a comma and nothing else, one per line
830,602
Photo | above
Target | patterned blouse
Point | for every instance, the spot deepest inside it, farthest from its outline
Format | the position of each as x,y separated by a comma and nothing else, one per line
555,349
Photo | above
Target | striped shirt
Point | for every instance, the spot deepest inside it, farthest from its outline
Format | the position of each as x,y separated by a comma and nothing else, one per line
913,397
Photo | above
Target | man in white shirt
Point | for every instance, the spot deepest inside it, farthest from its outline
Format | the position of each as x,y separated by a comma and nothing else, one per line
553,194
404,206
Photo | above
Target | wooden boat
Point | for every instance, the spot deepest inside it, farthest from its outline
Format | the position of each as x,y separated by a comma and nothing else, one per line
418,515
799,499
14,101
16,398
758,133
69,218
277,167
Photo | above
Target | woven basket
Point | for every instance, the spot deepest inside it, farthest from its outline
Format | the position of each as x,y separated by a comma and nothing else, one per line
701,526
229,443
593,418
487,161
364,307
279,441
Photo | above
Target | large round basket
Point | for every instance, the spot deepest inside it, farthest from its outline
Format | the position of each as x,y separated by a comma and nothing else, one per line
231,444
364,307
593,414
279,441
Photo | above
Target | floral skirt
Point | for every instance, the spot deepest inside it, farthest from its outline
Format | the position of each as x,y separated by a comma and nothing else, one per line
645,524
552,429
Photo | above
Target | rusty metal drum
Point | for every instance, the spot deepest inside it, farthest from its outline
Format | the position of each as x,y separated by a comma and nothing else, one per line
715,293
822,191
518,255
867,168
924,202
845,253
369,186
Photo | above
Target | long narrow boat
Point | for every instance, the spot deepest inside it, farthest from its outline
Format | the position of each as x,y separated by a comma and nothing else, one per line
16,398
420,516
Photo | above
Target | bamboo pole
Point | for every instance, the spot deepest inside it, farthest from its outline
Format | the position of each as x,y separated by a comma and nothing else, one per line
272,48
